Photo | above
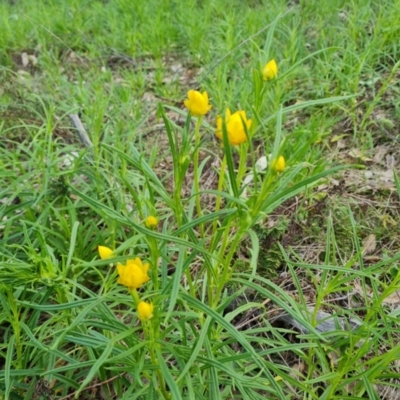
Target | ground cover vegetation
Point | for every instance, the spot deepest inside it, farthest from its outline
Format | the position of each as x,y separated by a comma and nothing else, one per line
199,199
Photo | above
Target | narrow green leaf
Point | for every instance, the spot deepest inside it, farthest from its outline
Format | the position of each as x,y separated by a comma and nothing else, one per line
285,301
212,366
173,387
372,395
21,372
235,334
176,282
173,144
270,36
45,349
72,243
277,199
278,136
205,218
97,206
8,365
197,348
101,360
229,160
323,378
77,321
254,250
239,201
57,307
311,103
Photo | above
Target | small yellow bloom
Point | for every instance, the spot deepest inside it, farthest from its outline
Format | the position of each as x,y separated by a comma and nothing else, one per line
280,164
197,103
151,222
145,310
270,71
105,252
236,126
133,274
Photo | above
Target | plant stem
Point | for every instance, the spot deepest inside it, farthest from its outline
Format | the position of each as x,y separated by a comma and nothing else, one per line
227,261
218,199
153,343
196,172
154,255
135,297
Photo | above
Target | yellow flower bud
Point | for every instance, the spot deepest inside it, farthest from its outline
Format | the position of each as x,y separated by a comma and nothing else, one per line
105,252
151,222
236,126
197,103
270,71
133,274
145,310
279,164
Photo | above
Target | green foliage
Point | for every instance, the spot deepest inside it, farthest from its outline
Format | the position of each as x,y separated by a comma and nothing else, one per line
67,328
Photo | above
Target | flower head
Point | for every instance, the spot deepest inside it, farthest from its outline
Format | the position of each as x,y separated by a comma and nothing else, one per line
279,164
105,252
145,310
151,222
197,103
270,71
133,274
236,126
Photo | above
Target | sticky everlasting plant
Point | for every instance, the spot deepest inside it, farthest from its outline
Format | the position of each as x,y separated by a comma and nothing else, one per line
270,70
105,252
133,274
151,222
176,274
179,296
236,124
279,164
197,103
145,310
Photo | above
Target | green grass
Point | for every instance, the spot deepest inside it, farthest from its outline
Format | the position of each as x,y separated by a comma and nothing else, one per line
294,244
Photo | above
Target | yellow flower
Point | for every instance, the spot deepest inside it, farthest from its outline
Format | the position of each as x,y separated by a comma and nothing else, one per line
236,126
197,103
279,164
270,71
105,252
151,222
133,274
145,310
